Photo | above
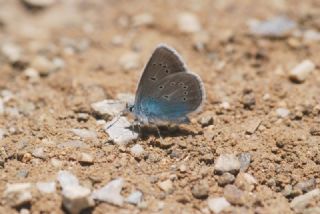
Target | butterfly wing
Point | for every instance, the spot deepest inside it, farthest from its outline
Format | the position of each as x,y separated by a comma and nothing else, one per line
163,62
173,98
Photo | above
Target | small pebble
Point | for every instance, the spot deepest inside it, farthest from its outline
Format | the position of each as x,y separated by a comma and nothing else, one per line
216,205
39,153
143,19
300,203
118,130
18,194
188,23
245,159
166,186
84,133
23,173
137,150
76,198
129,61
245,181
135,198
46,187
252,126
110,193
282,112
200,190
226,178
306,186
205,121
227,163
43,65
38,3
1,107
234,195
276,27
299,73
82,117
108,108
2,133
86,158
12,52
32,74
56,163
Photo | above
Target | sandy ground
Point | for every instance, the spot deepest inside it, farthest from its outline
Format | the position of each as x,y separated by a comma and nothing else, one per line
246,78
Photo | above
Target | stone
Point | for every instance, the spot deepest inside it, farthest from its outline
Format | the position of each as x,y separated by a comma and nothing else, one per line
16,195
32,74
218,204
1,107
86,158
282,112
234,195
46,187
11,52
83,117
67,179
306,186
245,159
227,163
205,121
311,36
119,132
108,108
73,144
2,133
56,162
117,40
245,182
137,150
143,19
76,198
135,198
225,178
43,65
23,173
39,153
200,190
129,61
38,3
301,202
188,23
85,134
166,186
276,27
110,193
252,126
300,72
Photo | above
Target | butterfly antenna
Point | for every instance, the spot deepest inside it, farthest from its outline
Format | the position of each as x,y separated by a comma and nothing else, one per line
118,118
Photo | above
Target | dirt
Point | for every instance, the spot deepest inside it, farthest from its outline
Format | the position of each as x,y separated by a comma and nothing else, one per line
246,72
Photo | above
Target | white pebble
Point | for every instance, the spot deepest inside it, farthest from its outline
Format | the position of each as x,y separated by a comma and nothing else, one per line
227,163
67,179
39,153
46,187
17,194
166,186
118,130
137,150
135,197
282,112
1,107
216,205
86,158
188,23
301,71
110,193
12,52
129,61
143,19
84,133
299,203
76,198
108,108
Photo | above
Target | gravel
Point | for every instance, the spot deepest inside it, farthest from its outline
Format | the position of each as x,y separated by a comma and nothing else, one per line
301,202
135,198
18,194
110,193
108,108
227,163
218,204
300,72
188,23
46,187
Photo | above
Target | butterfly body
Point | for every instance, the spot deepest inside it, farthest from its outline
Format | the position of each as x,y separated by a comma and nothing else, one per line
166,91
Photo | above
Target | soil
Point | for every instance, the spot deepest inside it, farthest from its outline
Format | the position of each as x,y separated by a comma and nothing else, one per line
249,73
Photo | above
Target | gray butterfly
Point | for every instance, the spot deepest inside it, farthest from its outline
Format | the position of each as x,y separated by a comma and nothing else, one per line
167,92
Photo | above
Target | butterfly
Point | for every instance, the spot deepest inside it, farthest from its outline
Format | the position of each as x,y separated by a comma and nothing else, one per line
167,91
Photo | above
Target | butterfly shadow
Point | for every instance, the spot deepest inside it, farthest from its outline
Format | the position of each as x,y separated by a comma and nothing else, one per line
162,131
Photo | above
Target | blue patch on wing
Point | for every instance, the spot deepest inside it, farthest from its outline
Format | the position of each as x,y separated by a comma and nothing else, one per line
162,110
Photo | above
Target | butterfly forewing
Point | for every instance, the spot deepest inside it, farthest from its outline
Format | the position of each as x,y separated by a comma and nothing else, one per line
163,62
